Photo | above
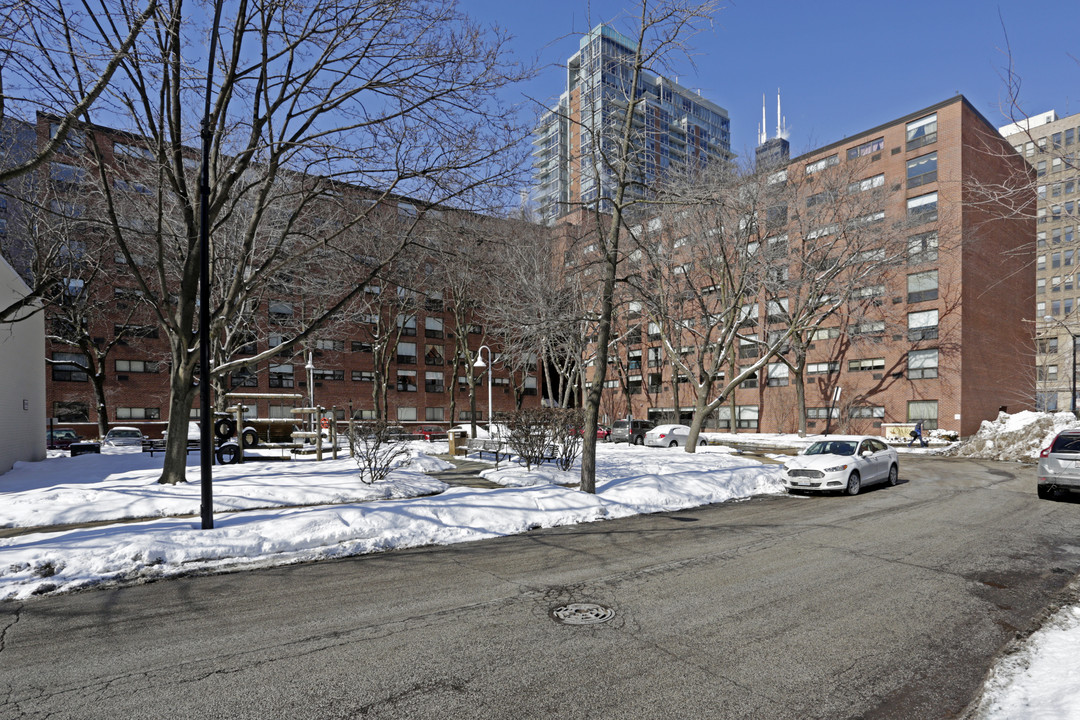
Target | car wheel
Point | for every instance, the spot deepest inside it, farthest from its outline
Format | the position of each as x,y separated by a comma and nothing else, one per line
639,440
701,442
674,443
854,484
894,475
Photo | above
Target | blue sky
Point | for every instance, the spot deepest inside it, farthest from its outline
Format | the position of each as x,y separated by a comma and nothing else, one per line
842,66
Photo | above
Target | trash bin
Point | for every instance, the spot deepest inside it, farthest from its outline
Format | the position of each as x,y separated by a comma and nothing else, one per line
85,448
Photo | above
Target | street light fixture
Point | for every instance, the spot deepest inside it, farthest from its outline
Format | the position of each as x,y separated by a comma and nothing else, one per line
1072,370
481,365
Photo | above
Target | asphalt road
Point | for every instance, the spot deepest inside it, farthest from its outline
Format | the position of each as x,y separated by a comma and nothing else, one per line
891,604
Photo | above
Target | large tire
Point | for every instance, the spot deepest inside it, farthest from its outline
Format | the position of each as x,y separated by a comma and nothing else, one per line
224,428
250,436
894,474
854,483
228,453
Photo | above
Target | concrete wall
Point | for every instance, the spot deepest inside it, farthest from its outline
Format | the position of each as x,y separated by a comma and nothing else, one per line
22,384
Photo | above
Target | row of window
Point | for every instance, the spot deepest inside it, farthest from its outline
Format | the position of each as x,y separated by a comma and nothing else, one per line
1065,233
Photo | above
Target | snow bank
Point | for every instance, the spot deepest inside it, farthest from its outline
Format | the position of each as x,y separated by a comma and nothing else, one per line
1042,679
1015,438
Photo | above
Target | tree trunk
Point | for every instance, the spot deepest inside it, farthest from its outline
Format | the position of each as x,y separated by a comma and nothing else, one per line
97,379
800,395
182,393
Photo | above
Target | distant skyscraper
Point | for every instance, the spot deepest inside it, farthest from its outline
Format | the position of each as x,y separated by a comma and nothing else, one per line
676,127
776,151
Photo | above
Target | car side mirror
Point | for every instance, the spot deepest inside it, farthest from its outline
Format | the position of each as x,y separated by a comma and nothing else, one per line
866,451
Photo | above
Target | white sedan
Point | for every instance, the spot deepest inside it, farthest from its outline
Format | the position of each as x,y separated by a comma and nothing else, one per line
842,464
669,436
123,436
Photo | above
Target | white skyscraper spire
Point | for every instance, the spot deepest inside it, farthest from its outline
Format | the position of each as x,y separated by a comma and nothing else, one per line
778,115
763,133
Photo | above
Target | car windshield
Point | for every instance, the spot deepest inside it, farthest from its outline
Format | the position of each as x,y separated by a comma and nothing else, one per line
125,433
64,434
619,424
831,447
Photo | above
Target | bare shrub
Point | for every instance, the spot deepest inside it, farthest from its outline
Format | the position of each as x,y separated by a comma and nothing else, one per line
378,448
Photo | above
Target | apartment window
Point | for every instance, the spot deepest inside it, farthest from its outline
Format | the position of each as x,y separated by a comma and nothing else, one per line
777,375
1041,192
358,346
406,414
1046,373
136,366
922,209
822,164
1040,239
876,412
280,312
433,327
865,364
776,310
655,357
138,413
135,151
64,174
633,360
1055,165
922,132
1040,168
868,291
407,323
468,415
136,331
868,327
826,196
363,376
69,412
922,364
868,184
925,410
922,325
825,334
434,414
433,355
820,413
1055,260
406,353
1055,190
529,387
867,148
746,417
434,382
923,248
330,345
1046,402
653,333
434,302
321,375
750,382
406,381
1056,139
922,170
922,286
1048,346
244,377
1040,309
822,368
1040,262
67,367
281,376
1069,136
749,347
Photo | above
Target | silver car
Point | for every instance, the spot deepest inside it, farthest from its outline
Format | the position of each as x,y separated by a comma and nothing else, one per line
123,436
670,436
1059,465
842,463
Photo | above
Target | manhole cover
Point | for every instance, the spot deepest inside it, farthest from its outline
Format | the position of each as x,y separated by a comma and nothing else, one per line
582,614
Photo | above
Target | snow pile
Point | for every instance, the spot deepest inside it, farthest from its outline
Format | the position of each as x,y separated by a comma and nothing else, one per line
1017,437
1042,680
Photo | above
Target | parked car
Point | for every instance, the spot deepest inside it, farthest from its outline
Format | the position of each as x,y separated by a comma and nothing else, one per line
431,432
631,431
194,434
482,431
602,433
1059,465
670,436
123,436
61,438
842,464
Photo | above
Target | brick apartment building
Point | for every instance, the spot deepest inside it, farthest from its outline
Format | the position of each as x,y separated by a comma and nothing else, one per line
947,337
420,374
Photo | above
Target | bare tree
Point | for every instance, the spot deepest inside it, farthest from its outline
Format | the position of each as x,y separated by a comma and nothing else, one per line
311,102
661,29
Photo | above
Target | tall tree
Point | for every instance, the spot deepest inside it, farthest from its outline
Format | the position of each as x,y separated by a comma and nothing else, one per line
311,102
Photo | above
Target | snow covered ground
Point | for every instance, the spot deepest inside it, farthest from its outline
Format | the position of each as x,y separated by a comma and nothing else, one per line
270,513
273,513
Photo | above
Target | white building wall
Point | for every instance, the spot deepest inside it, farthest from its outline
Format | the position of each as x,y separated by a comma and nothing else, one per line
22,384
